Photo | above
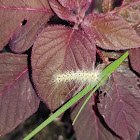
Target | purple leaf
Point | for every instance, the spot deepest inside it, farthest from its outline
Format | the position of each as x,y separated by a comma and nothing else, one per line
18,100
74,4
64,9
88,125
120,104
21,21
79,6
59,49
107,5
134,55
62,12
111,32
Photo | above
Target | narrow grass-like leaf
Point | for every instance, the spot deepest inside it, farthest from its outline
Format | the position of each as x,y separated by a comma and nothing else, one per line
105,73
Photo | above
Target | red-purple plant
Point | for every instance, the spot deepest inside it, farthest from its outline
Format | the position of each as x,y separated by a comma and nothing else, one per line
114,112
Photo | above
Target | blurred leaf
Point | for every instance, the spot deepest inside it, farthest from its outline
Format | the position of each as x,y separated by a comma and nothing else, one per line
107,5
132,13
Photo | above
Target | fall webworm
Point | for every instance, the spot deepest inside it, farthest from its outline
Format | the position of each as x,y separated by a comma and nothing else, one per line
68,83
75,79
82,77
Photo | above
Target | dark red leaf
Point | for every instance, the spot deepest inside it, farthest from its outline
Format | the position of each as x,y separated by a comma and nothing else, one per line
74,4
73,10
62,12
107,5
134,55
79,6
59,49
111,32
21,21
88,125
18,100
120,104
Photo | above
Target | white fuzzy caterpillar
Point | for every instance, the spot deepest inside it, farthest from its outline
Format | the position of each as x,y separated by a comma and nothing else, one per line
74,81
81,76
